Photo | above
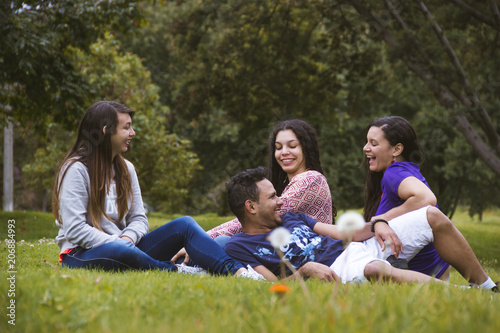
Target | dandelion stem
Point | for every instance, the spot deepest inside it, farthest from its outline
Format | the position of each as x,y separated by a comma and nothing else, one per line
299,277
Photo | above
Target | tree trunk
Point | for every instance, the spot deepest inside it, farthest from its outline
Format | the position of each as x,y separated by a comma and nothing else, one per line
8,167
45,200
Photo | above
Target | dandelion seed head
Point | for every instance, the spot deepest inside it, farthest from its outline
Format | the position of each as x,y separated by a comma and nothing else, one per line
350,222
279,237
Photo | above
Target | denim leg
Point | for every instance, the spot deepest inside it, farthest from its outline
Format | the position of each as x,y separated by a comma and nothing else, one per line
118,255
164,242
222,240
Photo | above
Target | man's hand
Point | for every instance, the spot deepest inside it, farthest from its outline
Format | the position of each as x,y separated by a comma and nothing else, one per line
180,254
384,233
318,271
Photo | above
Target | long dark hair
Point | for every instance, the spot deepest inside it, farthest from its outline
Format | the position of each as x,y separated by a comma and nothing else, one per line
306,134
396,130
93,148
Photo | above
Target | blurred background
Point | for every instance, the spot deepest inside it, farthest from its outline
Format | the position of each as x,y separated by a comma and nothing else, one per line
209,79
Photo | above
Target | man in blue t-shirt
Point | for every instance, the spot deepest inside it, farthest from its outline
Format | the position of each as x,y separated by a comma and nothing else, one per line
316,250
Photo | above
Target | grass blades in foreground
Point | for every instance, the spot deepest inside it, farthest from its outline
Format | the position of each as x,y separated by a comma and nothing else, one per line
52,299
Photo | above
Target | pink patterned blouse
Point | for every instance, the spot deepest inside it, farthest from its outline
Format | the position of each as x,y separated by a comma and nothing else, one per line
307,193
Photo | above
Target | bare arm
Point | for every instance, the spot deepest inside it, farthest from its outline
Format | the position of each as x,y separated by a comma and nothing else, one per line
383,233
312,270
266,273
416,195
333,231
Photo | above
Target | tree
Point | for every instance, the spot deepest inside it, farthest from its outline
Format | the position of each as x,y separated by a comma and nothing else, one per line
163,161
228,70
427,44
36,72
37,80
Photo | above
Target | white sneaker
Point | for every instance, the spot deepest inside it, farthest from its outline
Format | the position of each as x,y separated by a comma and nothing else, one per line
185,269
251,274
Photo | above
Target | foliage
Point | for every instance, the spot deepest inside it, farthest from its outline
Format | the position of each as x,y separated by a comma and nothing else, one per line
36,75
444,46
50,298
163,161
229,69
40,169
39,86
246,66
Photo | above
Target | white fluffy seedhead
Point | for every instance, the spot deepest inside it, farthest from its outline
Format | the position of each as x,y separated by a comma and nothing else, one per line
350,222
279,237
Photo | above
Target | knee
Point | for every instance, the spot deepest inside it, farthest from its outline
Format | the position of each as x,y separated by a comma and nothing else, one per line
185,225
437,219
184,221
122,246
121,250
222,240
376,270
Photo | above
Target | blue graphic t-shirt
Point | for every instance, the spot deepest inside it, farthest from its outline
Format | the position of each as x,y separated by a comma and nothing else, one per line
304,246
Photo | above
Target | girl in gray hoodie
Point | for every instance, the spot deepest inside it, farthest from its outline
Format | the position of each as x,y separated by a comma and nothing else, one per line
99,210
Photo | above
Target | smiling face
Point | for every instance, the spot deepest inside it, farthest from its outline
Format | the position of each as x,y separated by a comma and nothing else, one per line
268,207
120,140
379,151
288,153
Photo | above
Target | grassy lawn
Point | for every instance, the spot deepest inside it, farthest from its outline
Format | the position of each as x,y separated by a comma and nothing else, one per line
49,298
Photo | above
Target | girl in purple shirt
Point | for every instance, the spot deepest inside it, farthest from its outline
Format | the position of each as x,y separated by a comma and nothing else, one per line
394,184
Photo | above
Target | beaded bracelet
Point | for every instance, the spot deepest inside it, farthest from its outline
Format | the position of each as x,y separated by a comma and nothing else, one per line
372,225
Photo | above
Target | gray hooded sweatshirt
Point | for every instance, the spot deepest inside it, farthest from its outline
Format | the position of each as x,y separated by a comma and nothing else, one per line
76,227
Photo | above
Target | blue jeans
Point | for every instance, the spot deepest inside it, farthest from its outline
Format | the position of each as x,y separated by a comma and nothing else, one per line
155,250
222,240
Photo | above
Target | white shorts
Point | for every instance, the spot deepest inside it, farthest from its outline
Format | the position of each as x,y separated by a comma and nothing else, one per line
413,230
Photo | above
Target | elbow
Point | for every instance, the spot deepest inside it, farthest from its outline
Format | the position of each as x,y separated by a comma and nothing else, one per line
422,200
431,200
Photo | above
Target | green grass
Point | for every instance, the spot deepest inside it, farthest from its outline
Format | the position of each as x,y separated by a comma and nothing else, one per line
52,299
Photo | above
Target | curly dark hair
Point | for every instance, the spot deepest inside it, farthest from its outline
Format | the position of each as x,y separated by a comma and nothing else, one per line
307,136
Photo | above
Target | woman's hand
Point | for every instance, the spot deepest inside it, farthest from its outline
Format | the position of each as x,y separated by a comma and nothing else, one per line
127,239
180,254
